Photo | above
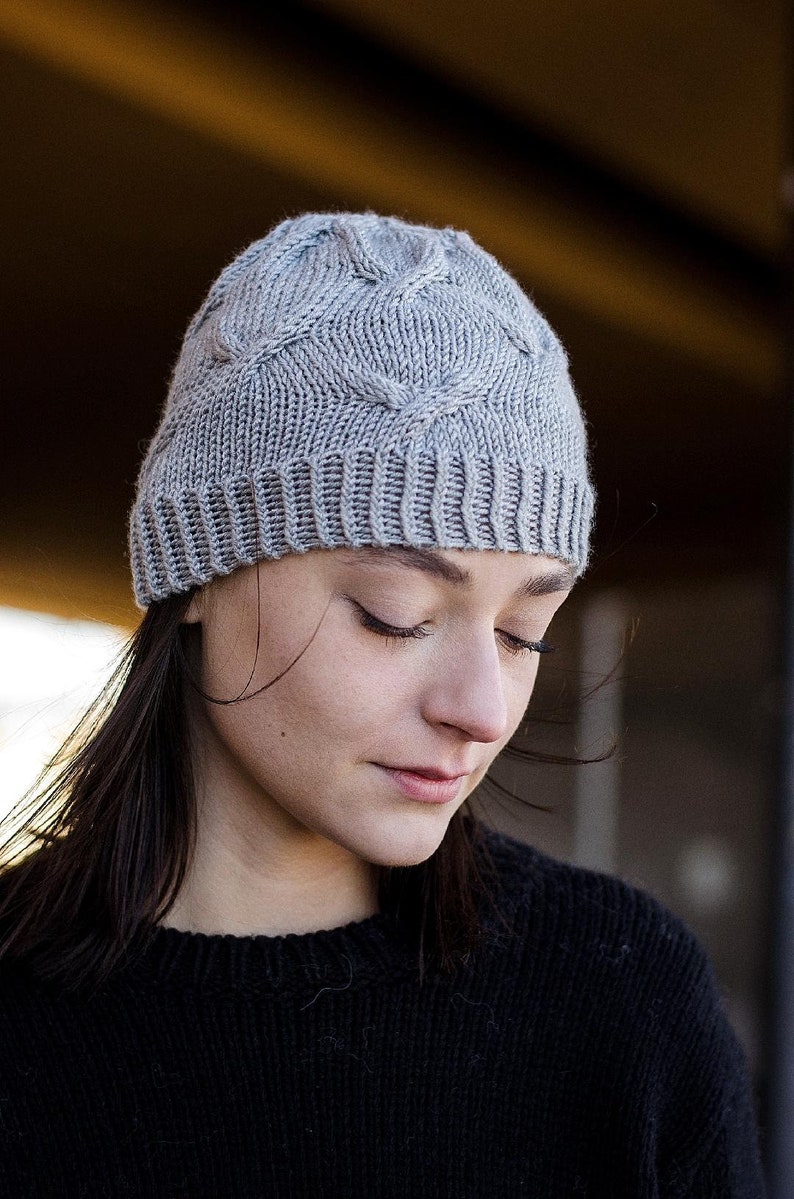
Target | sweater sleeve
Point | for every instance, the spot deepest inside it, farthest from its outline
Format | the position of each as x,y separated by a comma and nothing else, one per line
731,1166
711,1147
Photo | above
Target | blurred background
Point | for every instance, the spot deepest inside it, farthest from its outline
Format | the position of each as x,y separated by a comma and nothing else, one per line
627,162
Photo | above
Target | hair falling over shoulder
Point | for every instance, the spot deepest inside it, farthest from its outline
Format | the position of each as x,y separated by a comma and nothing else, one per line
105,837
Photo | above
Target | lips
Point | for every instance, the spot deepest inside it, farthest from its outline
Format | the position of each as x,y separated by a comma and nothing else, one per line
431,772
438,788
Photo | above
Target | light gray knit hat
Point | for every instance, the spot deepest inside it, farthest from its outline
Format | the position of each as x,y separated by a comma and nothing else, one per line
354,380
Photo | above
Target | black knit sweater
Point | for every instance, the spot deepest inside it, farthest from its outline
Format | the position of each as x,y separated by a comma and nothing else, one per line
584,1054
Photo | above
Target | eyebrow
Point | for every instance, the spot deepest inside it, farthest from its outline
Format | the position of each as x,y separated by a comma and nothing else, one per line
561,578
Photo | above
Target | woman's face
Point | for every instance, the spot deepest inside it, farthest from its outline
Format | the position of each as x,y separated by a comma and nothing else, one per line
315,753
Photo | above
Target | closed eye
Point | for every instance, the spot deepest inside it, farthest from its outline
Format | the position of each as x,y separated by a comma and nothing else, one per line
389,630
513,644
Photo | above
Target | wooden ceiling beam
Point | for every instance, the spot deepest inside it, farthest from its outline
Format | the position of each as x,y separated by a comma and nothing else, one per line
687,98
310,125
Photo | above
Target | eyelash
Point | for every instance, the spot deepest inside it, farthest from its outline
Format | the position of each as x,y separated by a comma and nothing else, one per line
513,645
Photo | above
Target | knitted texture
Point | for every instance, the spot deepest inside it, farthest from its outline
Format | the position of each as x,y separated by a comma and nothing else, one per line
354,380
585,1053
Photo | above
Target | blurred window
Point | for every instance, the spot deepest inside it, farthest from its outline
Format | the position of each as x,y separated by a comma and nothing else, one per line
51,669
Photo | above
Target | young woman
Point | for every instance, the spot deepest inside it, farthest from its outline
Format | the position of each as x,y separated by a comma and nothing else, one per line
258,945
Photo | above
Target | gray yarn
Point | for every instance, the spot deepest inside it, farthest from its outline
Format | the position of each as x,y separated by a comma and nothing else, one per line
354,380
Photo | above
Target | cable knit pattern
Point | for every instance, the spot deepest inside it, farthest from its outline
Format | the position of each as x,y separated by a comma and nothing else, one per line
583,1051
351,379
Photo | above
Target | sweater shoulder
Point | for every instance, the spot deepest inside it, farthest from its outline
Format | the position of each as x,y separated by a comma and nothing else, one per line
639,970
635,985
527,875
592,917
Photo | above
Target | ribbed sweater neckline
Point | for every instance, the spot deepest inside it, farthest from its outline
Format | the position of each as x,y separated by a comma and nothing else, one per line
379,948
295,964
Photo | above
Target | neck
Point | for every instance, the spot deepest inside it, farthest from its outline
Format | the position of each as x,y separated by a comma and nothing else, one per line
256,871
261,887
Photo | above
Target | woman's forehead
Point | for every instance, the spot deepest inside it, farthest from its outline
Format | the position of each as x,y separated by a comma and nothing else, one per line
536,574
517,575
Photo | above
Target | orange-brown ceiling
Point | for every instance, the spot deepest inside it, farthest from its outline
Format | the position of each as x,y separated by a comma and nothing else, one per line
688,97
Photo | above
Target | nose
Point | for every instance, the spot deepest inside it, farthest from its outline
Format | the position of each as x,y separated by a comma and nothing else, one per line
467,691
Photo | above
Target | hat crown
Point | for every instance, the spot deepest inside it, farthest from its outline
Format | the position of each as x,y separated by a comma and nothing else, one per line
347,334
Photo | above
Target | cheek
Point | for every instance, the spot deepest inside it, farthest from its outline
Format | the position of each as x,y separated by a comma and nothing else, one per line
346,693
228,654
521,694
336,701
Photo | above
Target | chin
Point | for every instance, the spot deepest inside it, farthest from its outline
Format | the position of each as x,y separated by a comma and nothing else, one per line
409,845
